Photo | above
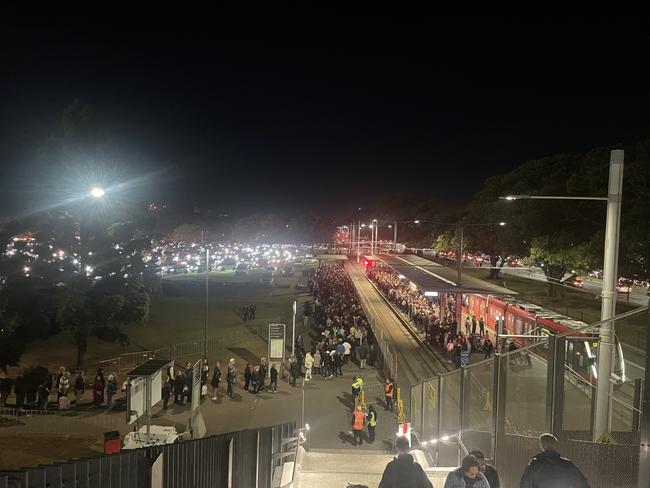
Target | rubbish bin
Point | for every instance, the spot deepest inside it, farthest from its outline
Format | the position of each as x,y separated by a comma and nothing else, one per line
112,442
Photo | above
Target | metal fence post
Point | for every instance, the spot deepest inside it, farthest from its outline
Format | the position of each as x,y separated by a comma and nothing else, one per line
462,401
422,404
555,384
644,448
439,420
499,407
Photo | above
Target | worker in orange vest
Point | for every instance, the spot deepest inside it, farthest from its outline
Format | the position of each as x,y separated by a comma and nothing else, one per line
388,393
358,421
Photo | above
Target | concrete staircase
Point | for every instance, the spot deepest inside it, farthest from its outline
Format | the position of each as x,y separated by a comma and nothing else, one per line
336,468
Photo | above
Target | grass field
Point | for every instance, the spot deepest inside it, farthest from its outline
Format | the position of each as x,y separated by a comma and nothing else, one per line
178,314
578,304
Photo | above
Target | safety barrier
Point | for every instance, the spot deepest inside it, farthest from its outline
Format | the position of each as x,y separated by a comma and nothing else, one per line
244,459
501,405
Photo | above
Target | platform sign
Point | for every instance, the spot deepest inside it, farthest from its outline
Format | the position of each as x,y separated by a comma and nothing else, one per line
277,337
464,358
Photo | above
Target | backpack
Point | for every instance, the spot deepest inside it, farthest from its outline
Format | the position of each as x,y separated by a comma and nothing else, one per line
450,346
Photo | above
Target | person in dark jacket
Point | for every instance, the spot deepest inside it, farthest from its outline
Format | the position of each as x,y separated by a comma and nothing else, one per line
402,471
294,371
248,375
547,469
274,379
216,380
166,393
468,474
488,470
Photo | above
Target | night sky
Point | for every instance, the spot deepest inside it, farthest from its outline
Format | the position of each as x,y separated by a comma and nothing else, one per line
245,116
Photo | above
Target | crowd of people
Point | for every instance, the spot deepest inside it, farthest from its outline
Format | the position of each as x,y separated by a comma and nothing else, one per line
61,390
441,332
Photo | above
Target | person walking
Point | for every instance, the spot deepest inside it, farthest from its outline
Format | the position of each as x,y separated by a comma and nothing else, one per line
326,367
488,347
64,384
347,348
244,312
179,384
357,386
363,355
111,390
98,388
248,375
231,378
216,380
251,311
274,379
338,362
294,371
488,470
43,397
358,422
255,380
468,474
166,393
79,387
547,469
388,394
372,423
403,471
317,361
309,364
481,329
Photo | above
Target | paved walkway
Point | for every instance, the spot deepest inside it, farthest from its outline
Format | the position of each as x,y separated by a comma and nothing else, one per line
415,363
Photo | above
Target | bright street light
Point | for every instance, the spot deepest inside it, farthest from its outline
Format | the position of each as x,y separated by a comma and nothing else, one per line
416,221
97,192
502,224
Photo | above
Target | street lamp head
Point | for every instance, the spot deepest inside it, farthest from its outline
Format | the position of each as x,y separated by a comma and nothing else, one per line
416,221
371,226
363,225
390,226
502,224
374,220
514,197
97,192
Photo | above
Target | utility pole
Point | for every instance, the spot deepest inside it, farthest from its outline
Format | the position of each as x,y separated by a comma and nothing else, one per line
395,236
358,241
460,253
608,294
207,302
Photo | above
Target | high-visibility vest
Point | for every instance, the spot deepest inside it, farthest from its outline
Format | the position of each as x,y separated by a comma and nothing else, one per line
358,383
358,420
372,420
388,389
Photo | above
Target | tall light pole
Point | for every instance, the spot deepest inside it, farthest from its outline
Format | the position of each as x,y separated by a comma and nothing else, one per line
207,294
608,293
359,240
293,328
395,222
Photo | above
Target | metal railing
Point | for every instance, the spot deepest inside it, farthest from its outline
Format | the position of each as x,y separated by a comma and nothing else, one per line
249,458
188,349
502,404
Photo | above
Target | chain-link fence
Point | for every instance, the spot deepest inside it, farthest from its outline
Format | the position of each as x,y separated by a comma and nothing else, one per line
547,384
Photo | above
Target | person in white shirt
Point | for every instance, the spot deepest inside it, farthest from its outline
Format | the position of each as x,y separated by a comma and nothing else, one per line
346,353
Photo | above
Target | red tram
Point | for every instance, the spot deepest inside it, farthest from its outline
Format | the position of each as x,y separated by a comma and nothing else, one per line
521,318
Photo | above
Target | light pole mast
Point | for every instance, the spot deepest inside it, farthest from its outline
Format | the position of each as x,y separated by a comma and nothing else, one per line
358,241
608,294
395,237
